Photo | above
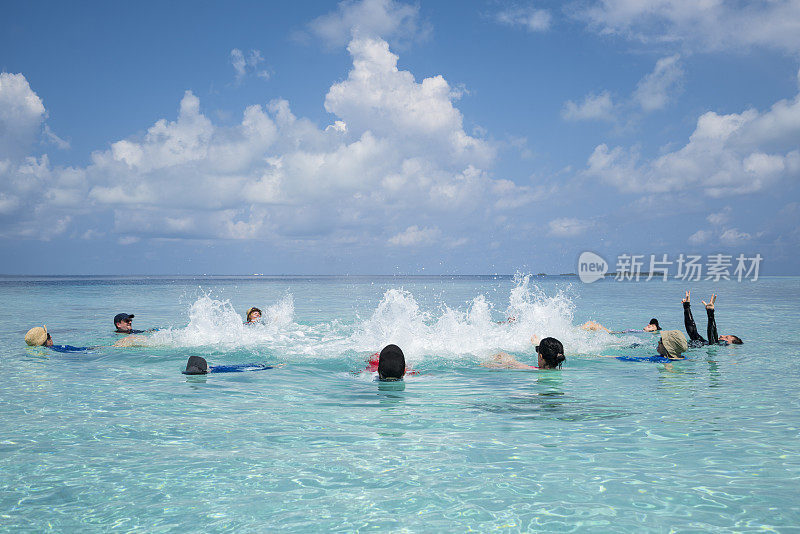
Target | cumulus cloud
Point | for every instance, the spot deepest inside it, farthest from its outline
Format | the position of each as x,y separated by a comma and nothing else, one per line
414,235
395,154
531,19
593,107
729,154
656,89
390,20
21,116
243,65
379,98
705,25
568,227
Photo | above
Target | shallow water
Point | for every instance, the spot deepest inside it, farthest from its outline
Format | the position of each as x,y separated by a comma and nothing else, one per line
119,438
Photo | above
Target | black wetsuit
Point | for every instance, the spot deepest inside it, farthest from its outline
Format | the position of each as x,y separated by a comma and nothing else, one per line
695,339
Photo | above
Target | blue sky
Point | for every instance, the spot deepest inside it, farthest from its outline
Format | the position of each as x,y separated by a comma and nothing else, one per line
378,136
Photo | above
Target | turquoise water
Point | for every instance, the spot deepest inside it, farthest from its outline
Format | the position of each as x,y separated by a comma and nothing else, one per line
120,439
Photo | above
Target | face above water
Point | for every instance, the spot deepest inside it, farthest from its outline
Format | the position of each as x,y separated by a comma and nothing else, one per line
125,325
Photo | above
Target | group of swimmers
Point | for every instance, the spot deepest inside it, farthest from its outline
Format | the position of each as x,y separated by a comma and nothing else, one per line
673,343
38,336
390,362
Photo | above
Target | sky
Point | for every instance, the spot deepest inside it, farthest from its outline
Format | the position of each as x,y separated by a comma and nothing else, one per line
385,137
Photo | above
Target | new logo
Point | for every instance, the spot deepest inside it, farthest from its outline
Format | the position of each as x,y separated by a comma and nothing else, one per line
591,267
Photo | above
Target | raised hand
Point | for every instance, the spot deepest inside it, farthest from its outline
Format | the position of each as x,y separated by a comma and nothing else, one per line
710,304
686,298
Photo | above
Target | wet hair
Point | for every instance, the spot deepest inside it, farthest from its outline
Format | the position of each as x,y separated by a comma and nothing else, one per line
655,322
251,311
736,340
552,352
391,363
196,365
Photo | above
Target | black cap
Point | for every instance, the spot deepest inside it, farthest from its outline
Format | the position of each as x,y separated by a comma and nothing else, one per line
196,365
122,317
391,363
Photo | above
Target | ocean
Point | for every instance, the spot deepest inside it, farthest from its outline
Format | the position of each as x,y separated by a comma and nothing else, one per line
118,439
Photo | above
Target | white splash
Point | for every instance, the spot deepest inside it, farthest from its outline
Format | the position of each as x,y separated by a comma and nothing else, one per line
474,334
443,335
214,322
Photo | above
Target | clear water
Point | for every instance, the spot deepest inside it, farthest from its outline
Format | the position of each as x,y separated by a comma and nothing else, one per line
120,439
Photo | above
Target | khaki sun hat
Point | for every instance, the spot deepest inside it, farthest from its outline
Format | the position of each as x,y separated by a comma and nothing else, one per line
674,342
36,336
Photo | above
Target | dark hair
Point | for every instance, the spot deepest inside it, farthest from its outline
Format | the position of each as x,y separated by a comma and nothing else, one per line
552,352
391,363
655,322
197,365
737,340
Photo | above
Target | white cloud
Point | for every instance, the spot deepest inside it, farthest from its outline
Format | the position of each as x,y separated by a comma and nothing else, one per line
390,20
655,90
593,107
733,236
721,217
568,227
700,25
243,65
378,97
534,20
396,154
726,155
414,235
700,237
21,116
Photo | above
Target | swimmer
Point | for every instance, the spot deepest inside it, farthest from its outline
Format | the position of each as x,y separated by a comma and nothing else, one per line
197,365
391,363
592,326
253,315
123,322
549,352
374,361
652,326
38,336
711,330
671,346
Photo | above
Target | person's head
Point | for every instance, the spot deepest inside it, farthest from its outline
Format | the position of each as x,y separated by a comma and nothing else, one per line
391,363
551,353
253,315
38,337
652,326
730,338
672,344
123,322
196,366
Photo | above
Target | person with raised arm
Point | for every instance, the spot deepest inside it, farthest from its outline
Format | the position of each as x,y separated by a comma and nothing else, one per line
695,339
